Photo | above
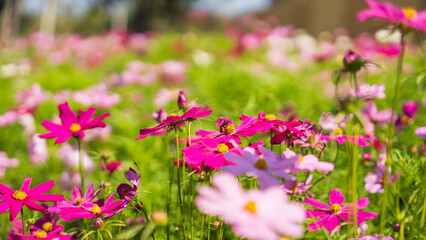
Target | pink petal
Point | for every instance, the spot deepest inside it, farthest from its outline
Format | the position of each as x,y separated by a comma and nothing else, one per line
4,206
67,116
362,203
332,223
316,213
6,190
336,197
47,198
315,203
63,138
15,208
42,188
318,223
76,193
34,206
85,116
26,185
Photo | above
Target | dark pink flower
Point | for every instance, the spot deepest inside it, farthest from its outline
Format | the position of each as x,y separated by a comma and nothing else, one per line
228,130
387,11
361,140
41,234
48,223
72,125
14,200
331,215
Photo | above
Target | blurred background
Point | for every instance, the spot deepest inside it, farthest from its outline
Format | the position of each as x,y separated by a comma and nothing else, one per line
87,17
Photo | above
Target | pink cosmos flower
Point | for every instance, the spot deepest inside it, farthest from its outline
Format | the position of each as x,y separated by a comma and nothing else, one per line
387,11
159,115
374,181
330,122
77,199
90,210
6,162
361,140
37,150
293,187
367,92
307,163
48,223
173,120
41,234
410,108
228,130
331,215
254,214
372,114
265,166
172,72
31,98
8,118
421,132
72,125
375,237
127,192
98,95
14,200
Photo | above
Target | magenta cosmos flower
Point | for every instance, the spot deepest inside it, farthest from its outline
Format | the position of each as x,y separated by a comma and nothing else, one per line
174,120
361,140
14,200
72,125
331,215
254,214
228,130
41,234
387,11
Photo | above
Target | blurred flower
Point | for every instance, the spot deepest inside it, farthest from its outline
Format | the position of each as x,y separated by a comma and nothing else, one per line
410,108
159,115
331,215
8,118
372,114
32,97
421,132
361,140
374,181
293,187
374,237
367,92
406,16
6,162
172,72
366,156
254,214
71,124
69,179
14,200
111,166
97,96
102,134
307,163
37,150
71,157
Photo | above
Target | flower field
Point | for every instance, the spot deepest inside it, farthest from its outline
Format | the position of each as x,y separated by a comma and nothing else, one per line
250,131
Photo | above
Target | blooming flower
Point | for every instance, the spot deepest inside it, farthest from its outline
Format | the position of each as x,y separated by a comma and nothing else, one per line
387,11
77,199
90,210
41,234
228,130
127,192
367,92
14,200
265,166
421,132
307,163
72,125
361,140
254,214
173,120
331,215
294,187
374,181
48,223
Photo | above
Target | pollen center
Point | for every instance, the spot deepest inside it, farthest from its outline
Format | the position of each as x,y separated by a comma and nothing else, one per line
229,129
312,139
261,164
409,12
300,159
75,127
336,208
47,226
251,207
404,119
222,148
293,188
19,195
338,132
40,234
172,115
95,209
270,117
381,180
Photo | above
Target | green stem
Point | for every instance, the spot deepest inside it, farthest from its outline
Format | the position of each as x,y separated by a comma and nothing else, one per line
24,229
81,163
191,193
391,131
169,183
178,183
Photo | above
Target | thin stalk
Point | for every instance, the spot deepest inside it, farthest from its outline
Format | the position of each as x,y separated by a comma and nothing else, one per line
81,163
354,179
24,229
391,131
422,218
191,193
169,183
178,183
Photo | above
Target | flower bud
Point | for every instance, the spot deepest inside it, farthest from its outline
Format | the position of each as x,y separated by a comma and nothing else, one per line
182,101
410,108
366,156
98,223
216,224
31,221
159,218
107,184
396,226
352,62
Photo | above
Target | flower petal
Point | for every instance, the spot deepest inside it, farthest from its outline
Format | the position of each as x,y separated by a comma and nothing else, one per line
4,206
15,208
315,203
336,197
318,223
42,188
332,223
6,190
47,198
26,185
316,213
34,206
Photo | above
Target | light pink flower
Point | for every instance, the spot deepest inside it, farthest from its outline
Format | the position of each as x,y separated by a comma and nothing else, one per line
172,72
8,118
421,132
374,181
97,95
70,156
6,162
307,163
254,214
372,114
368,92
37,150
32,97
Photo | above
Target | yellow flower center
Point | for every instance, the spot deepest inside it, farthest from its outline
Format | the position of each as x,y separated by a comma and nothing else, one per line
172,115
293,188
251,207
270,117
79,200
261,164
95,209
312,140
19,195
409,12
222,148
229,129
404,119
300,159
381,180
336,208
47,226
40,234
338,132
75,127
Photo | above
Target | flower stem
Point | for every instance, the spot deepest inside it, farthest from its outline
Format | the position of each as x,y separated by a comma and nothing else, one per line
169,182
191,193
24,229
81,164
391,131
178,183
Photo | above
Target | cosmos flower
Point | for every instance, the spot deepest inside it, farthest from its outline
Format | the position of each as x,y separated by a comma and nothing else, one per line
77,199
41,234
127,192
174,120
421,132
361,140
254,214
37,150
294,187
307,163
227,129
48,223
374,181
14,200
72,125
387,11
367,92
331,215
